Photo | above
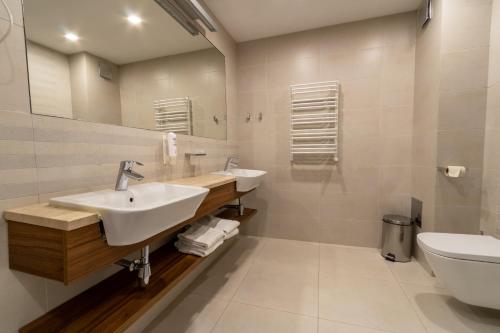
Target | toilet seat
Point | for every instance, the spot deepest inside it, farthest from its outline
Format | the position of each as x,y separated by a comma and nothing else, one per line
460,246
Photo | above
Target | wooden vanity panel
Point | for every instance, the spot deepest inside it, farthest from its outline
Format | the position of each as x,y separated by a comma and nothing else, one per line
69,255
216,198
36,250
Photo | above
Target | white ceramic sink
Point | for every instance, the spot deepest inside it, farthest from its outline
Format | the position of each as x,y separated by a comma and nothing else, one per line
246,179
140,212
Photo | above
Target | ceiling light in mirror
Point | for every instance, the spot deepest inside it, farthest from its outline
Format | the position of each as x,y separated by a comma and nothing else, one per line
134,19
71,36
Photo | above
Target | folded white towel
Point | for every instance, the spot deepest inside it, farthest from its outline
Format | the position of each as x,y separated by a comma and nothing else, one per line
197,251
227,226
185,244
202,236
232,234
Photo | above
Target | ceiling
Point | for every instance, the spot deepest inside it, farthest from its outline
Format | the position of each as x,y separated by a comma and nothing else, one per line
104,30
253,19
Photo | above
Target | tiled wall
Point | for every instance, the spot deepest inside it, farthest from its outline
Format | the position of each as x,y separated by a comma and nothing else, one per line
43,156
490,213
450,108
462,110
374,62
425,116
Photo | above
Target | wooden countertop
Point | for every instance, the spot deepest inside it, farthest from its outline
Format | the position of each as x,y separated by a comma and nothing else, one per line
44,215
208,180
68,219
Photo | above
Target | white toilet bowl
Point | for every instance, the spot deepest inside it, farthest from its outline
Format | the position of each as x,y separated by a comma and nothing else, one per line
468,265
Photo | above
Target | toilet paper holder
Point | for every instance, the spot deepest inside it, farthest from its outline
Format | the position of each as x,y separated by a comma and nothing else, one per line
453,171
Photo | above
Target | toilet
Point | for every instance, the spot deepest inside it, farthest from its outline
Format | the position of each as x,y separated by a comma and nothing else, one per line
467,265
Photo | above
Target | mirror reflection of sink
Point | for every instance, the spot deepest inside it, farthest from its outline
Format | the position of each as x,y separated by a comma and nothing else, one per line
140,212
246,179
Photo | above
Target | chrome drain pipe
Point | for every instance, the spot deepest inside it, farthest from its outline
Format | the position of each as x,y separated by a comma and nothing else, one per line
239,207
145,268
142,266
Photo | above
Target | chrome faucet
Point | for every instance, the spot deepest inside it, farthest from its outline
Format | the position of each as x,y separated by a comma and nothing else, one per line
230,163
124,173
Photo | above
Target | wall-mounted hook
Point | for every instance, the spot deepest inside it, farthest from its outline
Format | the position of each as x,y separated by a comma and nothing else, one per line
249,116
260,116
216,120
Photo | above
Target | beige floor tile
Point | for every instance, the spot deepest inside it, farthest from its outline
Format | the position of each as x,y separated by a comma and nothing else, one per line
412,272
189,313
225,275
276,289
290,253
355,261
281,287
442,313
373,303
243,318
326,326
283,277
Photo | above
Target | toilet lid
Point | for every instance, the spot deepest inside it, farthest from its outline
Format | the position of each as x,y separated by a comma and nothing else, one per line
458,246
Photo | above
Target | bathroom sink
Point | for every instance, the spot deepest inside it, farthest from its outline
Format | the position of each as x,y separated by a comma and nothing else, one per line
140,212
246,179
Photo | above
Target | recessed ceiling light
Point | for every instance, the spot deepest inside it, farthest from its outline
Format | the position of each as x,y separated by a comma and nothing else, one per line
71,36
134,19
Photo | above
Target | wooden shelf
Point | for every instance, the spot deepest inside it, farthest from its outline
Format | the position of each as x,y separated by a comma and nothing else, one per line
118,301
232,214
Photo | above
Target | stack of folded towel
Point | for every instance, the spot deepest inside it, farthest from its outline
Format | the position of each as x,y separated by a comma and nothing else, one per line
228,227
206,235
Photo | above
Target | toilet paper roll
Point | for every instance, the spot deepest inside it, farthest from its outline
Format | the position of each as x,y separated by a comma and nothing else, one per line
454,171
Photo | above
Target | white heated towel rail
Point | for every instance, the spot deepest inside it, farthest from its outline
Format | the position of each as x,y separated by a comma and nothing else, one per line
174,115
314,121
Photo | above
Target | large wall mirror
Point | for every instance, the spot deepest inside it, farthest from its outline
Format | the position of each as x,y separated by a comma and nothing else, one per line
123,62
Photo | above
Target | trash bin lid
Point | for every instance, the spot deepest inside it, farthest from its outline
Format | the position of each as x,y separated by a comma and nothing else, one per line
397,219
